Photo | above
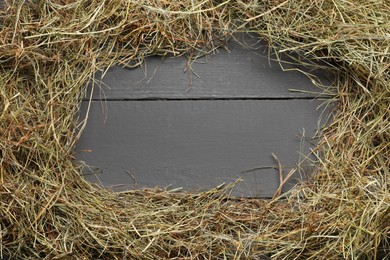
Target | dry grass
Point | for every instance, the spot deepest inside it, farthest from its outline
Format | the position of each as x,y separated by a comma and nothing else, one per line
49,51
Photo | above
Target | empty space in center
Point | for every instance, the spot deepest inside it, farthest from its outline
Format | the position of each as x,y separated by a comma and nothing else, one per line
172,124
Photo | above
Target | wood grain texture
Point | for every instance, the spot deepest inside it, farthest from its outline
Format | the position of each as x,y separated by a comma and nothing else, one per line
241,72
195,144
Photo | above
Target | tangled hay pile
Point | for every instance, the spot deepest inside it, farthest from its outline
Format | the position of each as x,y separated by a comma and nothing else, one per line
49,52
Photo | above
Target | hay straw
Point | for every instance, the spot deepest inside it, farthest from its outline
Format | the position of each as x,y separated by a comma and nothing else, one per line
50,50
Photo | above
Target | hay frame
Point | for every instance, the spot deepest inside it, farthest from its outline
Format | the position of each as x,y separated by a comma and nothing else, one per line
50,50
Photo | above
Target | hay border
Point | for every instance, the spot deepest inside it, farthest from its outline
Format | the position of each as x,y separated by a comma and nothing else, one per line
48,211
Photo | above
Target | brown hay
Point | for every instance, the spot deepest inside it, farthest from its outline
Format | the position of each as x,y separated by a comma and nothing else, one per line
49,51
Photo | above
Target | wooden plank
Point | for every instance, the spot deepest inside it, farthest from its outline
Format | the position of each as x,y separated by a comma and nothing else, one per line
241,72
195,144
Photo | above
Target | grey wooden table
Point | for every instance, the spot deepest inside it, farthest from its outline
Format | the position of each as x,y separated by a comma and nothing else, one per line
157,126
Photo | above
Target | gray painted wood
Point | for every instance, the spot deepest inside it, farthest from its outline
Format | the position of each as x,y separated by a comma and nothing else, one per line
241,72
195,144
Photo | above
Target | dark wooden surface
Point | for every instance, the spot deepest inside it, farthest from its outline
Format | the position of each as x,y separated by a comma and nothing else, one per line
196,144
162,127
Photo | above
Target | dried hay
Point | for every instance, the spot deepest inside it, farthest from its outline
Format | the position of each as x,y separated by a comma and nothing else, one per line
49,50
